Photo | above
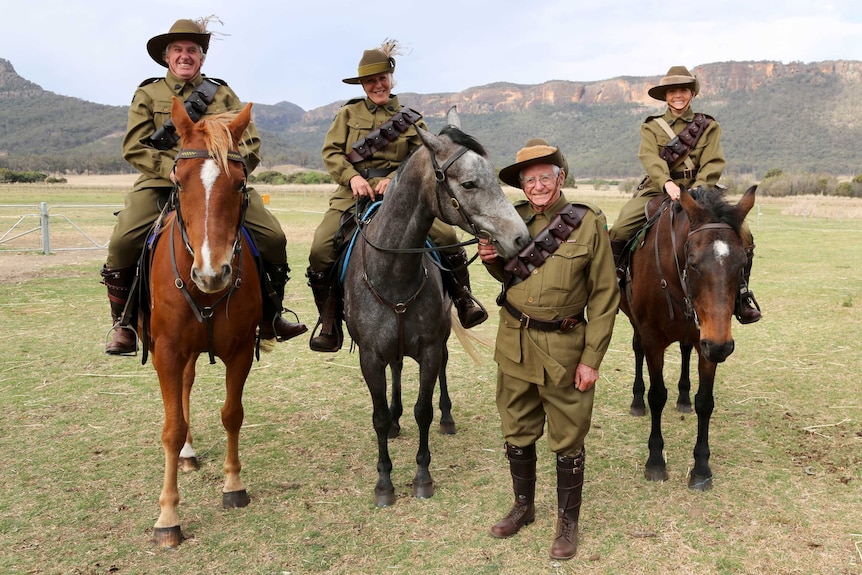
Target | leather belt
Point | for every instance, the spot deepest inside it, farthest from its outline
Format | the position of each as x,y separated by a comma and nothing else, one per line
527,322
375,172
684,175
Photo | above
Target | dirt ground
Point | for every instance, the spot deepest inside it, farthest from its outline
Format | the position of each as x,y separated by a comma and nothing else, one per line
18,267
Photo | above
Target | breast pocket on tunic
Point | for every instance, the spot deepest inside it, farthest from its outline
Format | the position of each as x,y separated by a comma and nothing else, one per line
564,267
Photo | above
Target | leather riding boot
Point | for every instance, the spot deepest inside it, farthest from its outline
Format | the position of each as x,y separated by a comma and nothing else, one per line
618,247
747,309
119,283
522,466
456,282
272,324
570,483
328,300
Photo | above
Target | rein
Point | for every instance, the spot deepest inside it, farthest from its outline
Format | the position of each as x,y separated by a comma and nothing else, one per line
682,270
204,313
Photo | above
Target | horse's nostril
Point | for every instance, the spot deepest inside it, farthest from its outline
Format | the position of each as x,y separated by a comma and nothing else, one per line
226,271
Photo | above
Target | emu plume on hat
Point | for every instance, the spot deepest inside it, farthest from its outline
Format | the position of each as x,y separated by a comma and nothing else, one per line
535,151
676,76
376,61
183,29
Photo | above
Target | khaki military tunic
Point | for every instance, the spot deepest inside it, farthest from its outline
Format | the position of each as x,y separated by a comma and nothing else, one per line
354,121
536,369
707,156
150,109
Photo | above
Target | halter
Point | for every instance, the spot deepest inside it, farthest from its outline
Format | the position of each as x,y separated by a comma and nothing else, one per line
204,313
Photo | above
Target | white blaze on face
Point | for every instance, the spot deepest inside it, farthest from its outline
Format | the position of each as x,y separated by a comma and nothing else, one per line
721,250
209,174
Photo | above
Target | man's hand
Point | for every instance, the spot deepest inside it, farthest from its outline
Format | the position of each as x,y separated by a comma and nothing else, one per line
487,251
361,188
585,377
672,190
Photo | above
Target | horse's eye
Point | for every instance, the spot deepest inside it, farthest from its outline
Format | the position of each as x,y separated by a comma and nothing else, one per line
469,185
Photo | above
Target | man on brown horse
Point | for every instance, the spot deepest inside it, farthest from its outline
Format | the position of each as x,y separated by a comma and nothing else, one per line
151,144
679,148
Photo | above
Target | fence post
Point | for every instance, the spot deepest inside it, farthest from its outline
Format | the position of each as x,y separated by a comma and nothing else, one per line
46,228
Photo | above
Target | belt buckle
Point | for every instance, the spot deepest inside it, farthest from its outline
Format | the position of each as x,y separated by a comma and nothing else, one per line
524,320
568,324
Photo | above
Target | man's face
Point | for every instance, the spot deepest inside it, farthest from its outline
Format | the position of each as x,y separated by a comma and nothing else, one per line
184,59
541,186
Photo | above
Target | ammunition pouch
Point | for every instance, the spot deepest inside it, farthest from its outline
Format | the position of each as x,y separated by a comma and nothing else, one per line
384,135
166,137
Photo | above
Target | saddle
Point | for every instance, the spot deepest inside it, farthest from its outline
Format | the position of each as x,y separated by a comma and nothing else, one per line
653,210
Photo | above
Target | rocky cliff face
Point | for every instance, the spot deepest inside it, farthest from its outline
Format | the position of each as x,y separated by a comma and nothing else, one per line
715,79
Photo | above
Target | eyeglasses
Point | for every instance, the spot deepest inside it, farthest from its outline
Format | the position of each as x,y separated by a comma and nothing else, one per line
547,180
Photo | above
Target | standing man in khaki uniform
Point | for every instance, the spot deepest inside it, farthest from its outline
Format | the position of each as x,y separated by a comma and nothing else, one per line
559,305
702,165
151,145
365,144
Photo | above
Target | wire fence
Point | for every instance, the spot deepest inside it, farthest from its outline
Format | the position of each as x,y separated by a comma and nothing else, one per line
60,227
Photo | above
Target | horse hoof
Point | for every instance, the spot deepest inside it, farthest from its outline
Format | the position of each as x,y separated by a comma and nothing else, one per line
447,427
232,499
187,464
698,483
384,498
167,537
637,411
683,407
423,490
655,474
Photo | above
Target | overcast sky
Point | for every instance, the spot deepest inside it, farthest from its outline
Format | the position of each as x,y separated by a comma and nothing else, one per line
299,50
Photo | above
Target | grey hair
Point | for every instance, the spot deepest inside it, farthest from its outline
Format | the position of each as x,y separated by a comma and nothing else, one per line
201,48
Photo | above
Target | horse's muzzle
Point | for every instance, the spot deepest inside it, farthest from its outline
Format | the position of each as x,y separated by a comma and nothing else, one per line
212,283
716,352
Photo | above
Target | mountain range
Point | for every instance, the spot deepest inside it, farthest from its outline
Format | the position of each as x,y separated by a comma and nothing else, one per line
794,117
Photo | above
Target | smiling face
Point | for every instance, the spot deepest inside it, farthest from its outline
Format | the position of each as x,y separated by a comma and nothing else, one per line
378,87
184,59
542,185
678,99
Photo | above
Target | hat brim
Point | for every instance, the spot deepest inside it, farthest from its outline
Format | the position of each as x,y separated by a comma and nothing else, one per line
373,71
157,44
511,175
660,92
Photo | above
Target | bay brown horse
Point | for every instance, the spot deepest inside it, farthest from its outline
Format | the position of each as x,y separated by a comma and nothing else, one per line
684,278
394,302
204,296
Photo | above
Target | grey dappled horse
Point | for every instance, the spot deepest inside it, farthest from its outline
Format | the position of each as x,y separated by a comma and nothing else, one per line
394,302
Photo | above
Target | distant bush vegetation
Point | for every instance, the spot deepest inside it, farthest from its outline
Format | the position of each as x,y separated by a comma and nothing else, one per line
15,177
275,178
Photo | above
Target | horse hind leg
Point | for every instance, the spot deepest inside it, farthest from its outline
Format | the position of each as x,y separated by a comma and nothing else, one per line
683,402
638,407
447,423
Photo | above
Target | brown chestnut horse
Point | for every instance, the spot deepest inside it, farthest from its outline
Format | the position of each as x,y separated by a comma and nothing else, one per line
204,296
684,279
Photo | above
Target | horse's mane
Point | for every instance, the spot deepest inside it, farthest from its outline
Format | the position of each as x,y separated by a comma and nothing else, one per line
713,201
217,137
462,139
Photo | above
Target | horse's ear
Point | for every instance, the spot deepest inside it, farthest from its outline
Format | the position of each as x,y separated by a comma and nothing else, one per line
238,125
180,117
429,140
452,117
691,207
747,202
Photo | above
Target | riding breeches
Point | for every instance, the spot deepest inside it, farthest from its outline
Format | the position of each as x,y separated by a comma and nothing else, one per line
143,206
322,255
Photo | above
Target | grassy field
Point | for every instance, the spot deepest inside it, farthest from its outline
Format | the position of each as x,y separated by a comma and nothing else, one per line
83,462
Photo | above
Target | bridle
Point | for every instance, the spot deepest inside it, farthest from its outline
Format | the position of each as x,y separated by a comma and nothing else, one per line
682,270
204,313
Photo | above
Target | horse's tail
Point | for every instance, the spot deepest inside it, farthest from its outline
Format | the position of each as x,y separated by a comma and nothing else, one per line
468,338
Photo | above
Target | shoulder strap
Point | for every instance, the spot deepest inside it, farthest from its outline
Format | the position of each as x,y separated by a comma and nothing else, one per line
546,241
384,135
150,81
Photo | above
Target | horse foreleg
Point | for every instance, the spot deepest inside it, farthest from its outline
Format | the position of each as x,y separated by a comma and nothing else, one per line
375,379
656,467
638,408
423,411
188,458
234,493
396,409
683,402
700,478
447,424
167,532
